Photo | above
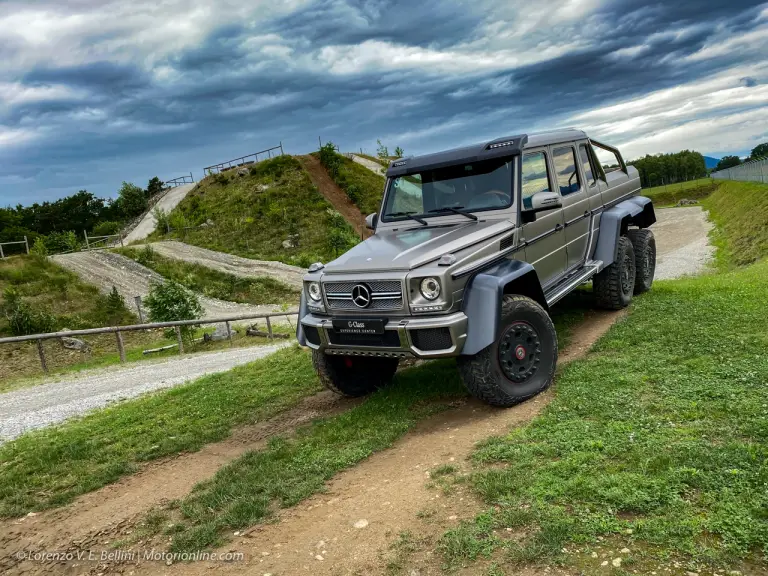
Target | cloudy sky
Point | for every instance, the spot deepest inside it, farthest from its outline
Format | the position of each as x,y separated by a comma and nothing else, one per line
94,92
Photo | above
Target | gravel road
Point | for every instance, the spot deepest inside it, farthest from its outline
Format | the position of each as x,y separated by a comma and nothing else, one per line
105,269
370,164
166,203
235,265
682,242
46,404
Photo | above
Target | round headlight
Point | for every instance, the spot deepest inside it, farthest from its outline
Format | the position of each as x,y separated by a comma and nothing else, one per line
314,291
430,288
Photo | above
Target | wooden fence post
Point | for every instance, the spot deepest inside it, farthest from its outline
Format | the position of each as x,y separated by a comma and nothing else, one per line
269,328
120,347
26,244
229,334
179,339
87,245
137,299
2,255
41,352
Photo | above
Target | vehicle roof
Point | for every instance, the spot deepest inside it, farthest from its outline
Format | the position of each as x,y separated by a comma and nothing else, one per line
499,147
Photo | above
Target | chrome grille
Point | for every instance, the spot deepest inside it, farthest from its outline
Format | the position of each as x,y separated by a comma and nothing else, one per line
386,295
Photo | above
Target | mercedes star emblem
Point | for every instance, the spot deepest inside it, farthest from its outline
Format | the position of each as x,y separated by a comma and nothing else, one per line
361,296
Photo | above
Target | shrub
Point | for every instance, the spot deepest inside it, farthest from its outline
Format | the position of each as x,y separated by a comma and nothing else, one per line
155,186
221,178
39,248
146,255
22,318
108,228
330,159
169,301
162,219
177,221
381,150
340,237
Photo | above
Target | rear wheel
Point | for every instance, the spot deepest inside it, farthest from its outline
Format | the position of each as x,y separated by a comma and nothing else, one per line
521,363
353,375
613,287
644,245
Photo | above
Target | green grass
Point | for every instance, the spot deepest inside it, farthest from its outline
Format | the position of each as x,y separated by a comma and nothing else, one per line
216,284
252,215
362,186
740,211
45,285
657,441
673,193
50,467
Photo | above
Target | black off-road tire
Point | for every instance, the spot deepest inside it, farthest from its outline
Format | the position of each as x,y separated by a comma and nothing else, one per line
524,324
644,245
613,287
353,376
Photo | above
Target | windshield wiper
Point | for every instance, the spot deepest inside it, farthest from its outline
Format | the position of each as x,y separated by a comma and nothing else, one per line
455,210
411,216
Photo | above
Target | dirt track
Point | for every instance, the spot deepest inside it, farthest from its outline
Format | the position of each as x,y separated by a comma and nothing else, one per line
167,203
229,263
374,167
105,269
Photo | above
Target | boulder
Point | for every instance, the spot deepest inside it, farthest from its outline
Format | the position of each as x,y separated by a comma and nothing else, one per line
686,202
74,344
219,334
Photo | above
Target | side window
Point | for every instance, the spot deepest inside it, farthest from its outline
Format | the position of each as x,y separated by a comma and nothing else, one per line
586,164
565,166
608,159
535,176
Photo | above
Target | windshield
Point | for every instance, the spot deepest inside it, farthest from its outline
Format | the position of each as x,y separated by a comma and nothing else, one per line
472,187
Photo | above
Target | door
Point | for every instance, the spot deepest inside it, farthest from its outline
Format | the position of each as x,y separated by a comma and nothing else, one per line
576,212
545,237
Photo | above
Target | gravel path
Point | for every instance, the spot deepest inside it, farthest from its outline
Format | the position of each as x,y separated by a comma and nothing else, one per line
167,203
682,242
105,269
235,265
46,404
375,167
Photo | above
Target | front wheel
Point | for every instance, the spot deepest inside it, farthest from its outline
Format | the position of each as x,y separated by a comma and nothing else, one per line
353,375
520,363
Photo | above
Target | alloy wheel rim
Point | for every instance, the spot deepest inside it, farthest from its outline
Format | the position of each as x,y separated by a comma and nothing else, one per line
519,352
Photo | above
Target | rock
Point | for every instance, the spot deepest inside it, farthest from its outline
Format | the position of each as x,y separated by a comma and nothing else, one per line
686,202
616,562
318,557
625,550
604,563
361,524
594,554
219,334
320,544
242,171
31,514
691,574
74,344
415,572
287,244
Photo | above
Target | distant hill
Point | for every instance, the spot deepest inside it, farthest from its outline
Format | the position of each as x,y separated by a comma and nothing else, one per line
711,162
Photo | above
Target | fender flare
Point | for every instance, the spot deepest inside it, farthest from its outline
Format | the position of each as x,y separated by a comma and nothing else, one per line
483,297
303,311
637,210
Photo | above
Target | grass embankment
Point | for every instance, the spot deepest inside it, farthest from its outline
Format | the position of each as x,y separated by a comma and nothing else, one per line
50,467
213,283
740,211
363,187
657,441
671,194
254,214
383,163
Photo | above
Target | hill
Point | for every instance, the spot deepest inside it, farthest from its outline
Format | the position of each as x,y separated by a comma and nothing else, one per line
710,162
271,211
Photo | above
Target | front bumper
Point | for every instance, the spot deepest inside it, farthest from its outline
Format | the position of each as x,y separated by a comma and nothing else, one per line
432,337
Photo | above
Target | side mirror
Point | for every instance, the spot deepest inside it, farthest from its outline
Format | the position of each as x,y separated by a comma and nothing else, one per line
371,220
538,203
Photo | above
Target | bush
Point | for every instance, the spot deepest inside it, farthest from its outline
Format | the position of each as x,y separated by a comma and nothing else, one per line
170,301
22,318
330,159
146,255
62,242
131,200
162,219
108,228
113,306
39,248
155,186
340,237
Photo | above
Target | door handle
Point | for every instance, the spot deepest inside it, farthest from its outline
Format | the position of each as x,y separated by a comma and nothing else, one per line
558,227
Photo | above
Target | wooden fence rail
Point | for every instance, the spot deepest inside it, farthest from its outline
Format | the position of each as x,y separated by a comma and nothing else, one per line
117,331
25,242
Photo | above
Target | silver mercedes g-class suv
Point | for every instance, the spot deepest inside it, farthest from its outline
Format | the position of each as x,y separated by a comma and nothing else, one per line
471,248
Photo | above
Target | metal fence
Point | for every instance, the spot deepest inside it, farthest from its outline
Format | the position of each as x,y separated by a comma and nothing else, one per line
25,242
244,160
180,180
754,171
118,330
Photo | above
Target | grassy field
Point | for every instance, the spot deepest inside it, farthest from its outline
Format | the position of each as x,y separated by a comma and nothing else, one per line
672,193
50,467
252,215
46,286
362,186
740,211
657,441
214,283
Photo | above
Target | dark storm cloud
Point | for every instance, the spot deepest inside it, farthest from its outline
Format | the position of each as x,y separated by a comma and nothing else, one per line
229,96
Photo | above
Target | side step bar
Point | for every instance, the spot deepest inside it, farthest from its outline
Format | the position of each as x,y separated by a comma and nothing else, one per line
576,279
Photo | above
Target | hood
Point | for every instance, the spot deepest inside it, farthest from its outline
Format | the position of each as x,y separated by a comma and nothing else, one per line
408,249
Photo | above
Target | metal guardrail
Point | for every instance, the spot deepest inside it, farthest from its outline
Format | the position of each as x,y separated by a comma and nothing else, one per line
180,180
754,171
243,160
117,331
25,242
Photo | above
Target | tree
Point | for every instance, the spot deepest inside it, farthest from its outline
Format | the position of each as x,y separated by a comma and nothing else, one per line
684,165
169,301
155,186
131,200
727,162
399,152
759,151
381,150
